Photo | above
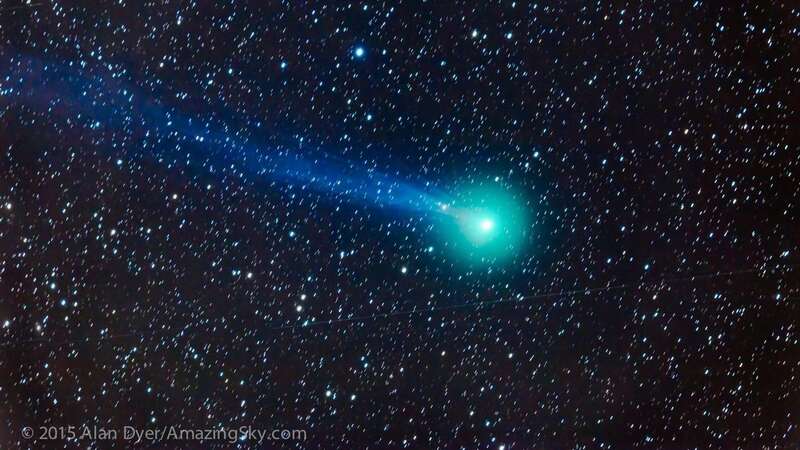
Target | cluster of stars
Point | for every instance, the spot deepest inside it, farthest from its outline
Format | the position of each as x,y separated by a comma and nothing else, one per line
470,225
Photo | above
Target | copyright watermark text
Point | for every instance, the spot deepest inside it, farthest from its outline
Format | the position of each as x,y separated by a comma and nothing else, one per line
166,433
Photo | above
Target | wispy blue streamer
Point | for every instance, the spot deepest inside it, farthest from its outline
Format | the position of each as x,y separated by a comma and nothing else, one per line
109,102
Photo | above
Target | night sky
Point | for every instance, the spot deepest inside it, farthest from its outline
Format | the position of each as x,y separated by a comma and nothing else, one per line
412,225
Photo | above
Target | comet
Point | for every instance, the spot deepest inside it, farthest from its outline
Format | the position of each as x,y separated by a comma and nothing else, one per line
479,221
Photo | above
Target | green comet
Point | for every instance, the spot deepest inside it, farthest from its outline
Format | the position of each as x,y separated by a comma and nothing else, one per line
485,224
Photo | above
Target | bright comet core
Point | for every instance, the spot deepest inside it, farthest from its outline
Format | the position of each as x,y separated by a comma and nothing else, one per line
487,225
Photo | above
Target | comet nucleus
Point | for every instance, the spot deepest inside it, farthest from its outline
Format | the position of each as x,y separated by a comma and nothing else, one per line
485,223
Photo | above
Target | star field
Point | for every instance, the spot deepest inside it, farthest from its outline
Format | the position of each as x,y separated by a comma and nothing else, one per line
224,214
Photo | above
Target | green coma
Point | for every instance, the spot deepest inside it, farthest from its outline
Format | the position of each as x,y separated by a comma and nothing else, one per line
484,224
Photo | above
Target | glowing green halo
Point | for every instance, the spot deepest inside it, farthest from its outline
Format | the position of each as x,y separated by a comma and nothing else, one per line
484,224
